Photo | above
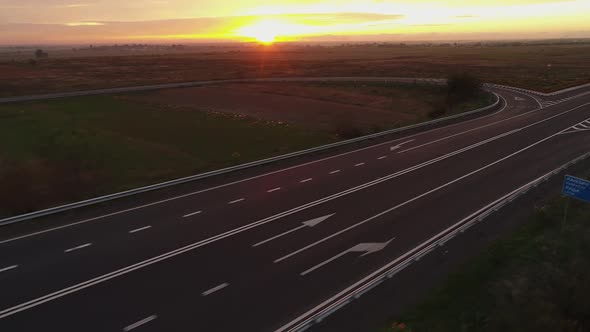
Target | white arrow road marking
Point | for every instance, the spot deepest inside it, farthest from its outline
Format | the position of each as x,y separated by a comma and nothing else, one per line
393,148
140,323
367,248
8,268
309,223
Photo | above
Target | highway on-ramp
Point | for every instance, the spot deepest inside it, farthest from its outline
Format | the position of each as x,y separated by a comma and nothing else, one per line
265,250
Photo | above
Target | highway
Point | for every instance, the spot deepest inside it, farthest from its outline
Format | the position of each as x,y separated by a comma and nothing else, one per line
265,249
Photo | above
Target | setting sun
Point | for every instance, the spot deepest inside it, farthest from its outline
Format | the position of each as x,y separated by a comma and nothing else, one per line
268,31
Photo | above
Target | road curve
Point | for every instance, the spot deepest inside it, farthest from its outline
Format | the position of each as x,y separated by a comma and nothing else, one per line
256,251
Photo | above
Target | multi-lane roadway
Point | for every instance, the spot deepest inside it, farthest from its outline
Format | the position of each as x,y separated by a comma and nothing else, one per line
267,249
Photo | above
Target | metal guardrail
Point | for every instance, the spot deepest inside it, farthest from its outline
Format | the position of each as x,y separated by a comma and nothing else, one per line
388,271
106,198
153,87
538,93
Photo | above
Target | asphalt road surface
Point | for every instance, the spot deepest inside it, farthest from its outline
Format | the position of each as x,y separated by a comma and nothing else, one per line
257,251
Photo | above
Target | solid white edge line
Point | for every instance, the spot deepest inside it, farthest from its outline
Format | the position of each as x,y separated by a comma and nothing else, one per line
298,251
291,326
214,289
122,271
139,229
79,247
8,268
304,321
324,263
140,323
249,179
279,236
467,131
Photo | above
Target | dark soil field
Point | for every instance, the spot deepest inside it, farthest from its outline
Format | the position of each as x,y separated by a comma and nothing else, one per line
323,106
542,67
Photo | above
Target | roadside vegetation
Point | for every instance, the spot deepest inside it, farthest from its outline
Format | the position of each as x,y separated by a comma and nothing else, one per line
424,102
535,280
65,150
59,151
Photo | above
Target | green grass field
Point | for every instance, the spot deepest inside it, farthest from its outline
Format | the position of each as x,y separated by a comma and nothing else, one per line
57,151
536,280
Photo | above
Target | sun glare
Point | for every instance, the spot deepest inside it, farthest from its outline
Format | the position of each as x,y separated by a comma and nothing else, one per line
268,31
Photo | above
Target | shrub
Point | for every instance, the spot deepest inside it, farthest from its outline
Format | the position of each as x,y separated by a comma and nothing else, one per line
462,87
347,130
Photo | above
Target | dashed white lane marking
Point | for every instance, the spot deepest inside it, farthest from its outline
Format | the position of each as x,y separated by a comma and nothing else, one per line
78,247
140,323
214,289
334,172
84,221
273,190
306,180
8,268
139,229
192,214
237,201
382,157
359,164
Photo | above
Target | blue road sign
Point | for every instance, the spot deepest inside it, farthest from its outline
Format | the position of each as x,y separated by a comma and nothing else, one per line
576,188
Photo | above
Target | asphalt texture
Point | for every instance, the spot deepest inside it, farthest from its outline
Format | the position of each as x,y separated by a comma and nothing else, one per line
261,250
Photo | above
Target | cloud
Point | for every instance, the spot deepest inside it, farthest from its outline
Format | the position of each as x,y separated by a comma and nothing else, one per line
75,5
198,28
77,24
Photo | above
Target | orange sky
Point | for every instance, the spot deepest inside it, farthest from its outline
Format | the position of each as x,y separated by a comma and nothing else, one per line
73,21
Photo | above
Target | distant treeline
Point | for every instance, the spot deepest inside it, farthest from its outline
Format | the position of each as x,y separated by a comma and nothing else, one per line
471,43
